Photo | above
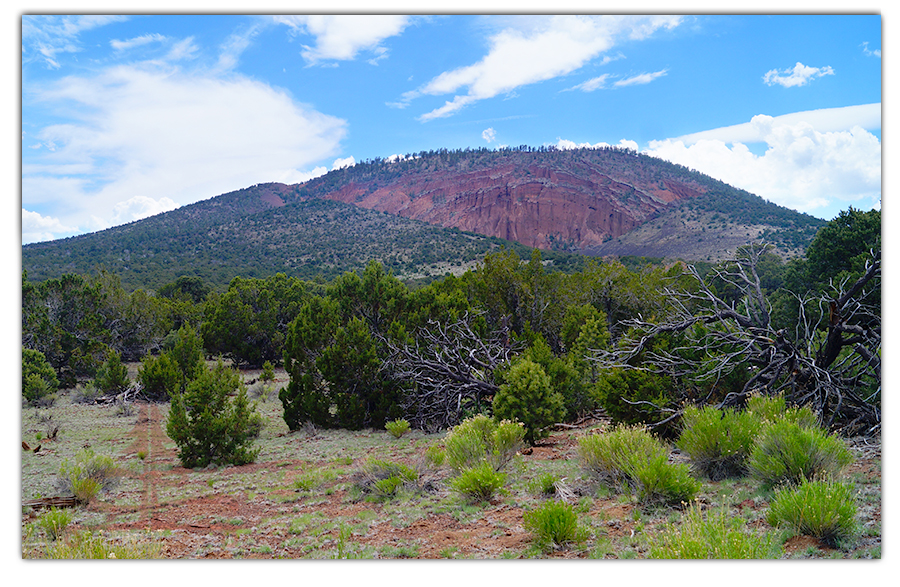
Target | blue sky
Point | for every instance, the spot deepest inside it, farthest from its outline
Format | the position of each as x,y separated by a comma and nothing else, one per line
128,116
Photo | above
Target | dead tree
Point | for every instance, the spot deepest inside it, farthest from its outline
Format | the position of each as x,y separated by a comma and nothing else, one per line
831,363
448,371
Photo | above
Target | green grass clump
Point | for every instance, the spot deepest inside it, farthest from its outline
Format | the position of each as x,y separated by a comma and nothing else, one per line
479,483
822,509
718,441
435,455
554,524
545,484
87,545
716,536
54,522
629,458
384,479
482,438
657,480
608,457
313,479
397,428
787,453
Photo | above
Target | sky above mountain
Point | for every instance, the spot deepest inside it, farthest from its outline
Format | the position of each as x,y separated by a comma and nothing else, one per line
128,116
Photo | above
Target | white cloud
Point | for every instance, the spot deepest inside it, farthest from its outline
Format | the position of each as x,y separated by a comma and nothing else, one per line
531,50
867,116
342,37
171,137
46,36
342,163
596,83
234,46
799,75
37,228
140,207
640,79
489,134
804,168
566,145
137,42
870,52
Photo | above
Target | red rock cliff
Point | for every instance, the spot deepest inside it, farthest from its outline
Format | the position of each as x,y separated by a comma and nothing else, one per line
536,204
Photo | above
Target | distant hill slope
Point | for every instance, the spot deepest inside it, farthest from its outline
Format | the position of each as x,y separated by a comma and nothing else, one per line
432,212
316,239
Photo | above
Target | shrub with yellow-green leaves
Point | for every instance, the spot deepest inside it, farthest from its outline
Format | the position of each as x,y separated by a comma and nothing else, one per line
718,441
629,458
787,453
822,509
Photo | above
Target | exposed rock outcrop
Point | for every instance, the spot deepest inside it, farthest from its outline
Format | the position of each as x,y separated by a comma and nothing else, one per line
538,205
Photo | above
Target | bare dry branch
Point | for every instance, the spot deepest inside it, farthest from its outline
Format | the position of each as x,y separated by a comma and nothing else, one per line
448,369
825,365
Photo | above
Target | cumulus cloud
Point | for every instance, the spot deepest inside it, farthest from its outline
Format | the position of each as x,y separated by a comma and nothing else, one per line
37,228
804,168
867,116
147,137
342,163
531,50
799,75
565,144
489,134
342,37
140,207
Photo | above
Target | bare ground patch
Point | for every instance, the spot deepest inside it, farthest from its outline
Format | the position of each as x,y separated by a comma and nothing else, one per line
262,510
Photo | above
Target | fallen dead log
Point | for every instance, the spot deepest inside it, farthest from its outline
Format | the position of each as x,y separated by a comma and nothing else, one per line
51,502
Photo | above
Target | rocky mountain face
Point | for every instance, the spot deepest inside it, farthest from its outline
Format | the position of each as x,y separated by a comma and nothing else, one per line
542,202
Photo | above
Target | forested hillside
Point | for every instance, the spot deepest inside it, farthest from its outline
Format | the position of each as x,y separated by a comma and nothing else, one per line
312,240
636,342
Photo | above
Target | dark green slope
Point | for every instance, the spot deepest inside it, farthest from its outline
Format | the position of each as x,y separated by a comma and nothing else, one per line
308,239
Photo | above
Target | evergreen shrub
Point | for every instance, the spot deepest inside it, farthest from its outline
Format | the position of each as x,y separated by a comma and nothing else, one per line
628,395
112,376
527,397
159,376
39,381
210,427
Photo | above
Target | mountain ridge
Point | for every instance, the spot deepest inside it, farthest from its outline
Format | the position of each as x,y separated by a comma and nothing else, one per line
427,213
